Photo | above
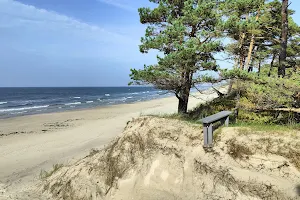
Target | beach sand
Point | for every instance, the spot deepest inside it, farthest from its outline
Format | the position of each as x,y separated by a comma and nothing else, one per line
161,158
29,144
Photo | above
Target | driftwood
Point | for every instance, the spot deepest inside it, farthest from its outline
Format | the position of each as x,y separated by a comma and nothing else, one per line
220,94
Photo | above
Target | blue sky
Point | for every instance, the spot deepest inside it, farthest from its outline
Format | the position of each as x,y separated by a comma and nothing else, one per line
72,42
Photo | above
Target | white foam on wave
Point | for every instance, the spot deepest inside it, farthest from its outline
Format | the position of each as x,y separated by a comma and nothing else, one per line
76,97
75,103
107,95
24,108
129,97
135,93
3,103
89,101
15,113
99,99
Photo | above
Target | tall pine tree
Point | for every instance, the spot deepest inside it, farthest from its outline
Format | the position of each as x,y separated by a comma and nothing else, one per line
284,38
186,34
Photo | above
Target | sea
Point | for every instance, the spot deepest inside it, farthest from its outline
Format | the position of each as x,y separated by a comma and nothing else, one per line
27,101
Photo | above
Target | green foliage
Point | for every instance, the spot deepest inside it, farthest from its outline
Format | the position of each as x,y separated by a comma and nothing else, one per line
261,98
258,22
209,108
265,127
186,33
252,107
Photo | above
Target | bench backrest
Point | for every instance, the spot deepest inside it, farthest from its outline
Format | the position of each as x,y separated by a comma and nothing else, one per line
215,117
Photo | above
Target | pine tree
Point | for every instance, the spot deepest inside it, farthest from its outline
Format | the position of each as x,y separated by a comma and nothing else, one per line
284,38
186,33
241,26
257,34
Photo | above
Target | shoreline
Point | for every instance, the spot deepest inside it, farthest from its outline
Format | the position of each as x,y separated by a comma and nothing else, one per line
83,103
31,143
98,107
80,108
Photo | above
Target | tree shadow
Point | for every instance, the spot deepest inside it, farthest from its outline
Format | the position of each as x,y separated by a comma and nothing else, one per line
298,189
218,124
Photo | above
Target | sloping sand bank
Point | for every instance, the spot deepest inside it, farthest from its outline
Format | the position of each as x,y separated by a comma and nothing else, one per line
157,158
31,143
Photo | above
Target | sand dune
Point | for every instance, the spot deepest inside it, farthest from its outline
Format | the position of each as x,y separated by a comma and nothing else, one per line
157,158
31,143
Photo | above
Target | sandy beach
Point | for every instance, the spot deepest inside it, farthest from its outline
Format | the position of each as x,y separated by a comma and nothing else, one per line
29,144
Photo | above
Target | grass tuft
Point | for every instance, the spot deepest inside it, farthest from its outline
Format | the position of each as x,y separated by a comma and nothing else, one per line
93,152
236,150
45,174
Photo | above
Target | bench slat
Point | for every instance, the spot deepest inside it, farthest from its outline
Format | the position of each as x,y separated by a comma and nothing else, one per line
215,117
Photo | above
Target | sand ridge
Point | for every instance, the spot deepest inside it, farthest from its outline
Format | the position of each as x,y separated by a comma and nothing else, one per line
31,143
157,158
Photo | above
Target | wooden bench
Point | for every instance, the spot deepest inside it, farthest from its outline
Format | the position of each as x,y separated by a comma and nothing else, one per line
208,125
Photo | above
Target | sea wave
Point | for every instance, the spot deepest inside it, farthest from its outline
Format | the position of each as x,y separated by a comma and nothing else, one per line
76,97
129,97
20,105
24,108
15,113
89,101
107,95
3,103
74,103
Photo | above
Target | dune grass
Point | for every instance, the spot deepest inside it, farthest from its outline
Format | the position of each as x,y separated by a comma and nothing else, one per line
45,174
267,127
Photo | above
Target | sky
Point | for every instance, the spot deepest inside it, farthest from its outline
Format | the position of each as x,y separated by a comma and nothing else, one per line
49,43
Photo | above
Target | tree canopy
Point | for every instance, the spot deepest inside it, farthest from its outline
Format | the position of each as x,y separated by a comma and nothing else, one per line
189,33
186,32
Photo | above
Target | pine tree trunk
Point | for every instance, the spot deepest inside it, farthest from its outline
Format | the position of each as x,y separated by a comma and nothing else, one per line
184,99
250,52
183,105
284,35
271,65
184,94
259,67
243,62
251,48
242,56
241,51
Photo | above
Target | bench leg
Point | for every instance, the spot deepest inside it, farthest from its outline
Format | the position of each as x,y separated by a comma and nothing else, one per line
227,121
208,135
205,135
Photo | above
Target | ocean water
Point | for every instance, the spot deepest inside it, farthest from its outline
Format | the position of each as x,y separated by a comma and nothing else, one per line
26,101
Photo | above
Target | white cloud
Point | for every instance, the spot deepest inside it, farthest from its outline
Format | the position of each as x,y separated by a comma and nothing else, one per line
15,14
27,27
123,4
